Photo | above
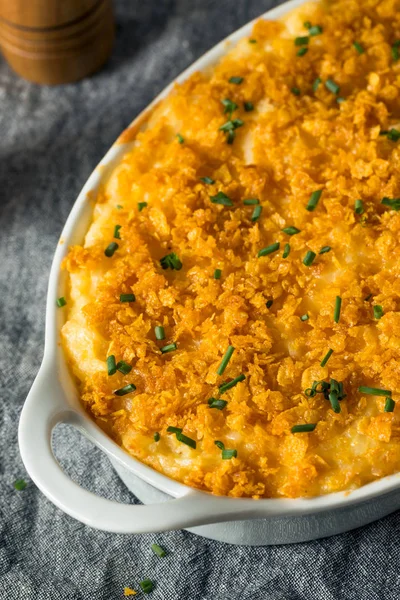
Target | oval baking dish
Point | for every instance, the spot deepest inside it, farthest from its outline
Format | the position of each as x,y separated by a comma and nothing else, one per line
169,504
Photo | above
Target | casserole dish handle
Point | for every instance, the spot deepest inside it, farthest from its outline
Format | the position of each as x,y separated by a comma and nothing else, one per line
46,406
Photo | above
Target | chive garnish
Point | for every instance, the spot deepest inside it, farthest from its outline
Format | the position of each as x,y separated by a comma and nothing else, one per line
337,309
251,201
302,51
374,391
358,207
141,206
156,437
286,251
393,135
378,311
226,358
207,180
291,230
303,428
116,231
301,40
228,454
269,249
231,125
236,80
176,430
252,41
119,207
111,365
230,384
222,199
111,248
389,405
304,317
248,106
181,437
309,258
358,47
123,367
180,138
159,332
217,403
393,203
127,389
147,585
256,213
61,302
316,84
295,91
127,298
158,550
332,86
307,24
168,348
315,30
217,274
326,357
219,444
395,50
314,199
325,249
171,261
229,106
340,100
20,484
334,400
269,303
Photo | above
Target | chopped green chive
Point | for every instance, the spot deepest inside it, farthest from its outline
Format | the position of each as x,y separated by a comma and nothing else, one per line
286,251
307,24
256,213
393,135
251,201
303,428
141,206
222,199
229,106
180,138
230,137
395,51
111,365
127,298
340,100
334,400
111,248
119,206
358,207
309,258
269,249
252,41
228,454
159,332
393,203
147,586
337,309
314,199
378,311
168,348
295,91
389,405
127,389
316,84
332,86
315,30
230,384
301,40
20,484
248,106
183,438
176,430
325,249
226,358
123,367
158,550
156,437
236,80
116,231
358,47
326,357
302,51
217,403
304,317
231,125
171,261
291,230
61,302
219,444
363,389
207,180
217,274
269,303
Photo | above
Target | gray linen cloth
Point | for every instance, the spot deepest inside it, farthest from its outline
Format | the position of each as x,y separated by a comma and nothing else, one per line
50,140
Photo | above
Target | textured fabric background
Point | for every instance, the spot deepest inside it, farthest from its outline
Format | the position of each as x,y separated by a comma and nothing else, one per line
50,140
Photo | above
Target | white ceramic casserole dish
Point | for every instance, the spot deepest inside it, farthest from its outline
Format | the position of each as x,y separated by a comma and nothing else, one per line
168,504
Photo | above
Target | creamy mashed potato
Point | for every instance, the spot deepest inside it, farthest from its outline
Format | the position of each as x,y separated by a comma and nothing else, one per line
248,215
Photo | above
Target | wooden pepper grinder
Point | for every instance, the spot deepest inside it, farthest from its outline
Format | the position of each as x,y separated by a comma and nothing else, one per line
56,41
